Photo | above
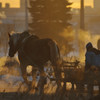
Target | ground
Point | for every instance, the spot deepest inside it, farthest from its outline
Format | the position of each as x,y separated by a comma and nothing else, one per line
10,80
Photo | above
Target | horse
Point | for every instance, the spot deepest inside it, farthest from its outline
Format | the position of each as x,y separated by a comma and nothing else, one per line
34,51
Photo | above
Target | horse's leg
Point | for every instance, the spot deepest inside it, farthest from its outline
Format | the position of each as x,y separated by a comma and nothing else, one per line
33,85
55,60
41,83
24,73
60,91
58,76
57,72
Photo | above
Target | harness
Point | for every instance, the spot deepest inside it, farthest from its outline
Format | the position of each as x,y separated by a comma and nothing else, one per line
25,54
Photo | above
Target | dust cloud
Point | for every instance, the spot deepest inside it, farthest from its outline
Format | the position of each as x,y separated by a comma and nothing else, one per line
78,40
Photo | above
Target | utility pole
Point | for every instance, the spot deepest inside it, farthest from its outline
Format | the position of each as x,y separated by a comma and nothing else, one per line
26,15
82,15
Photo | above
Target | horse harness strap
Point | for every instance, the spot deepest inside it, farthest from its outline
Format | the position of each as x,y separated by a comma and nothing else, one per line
25,39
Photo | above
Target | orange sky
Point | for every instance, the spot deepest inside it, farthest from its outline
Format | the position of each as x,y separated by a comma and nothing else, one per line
13,3
76,4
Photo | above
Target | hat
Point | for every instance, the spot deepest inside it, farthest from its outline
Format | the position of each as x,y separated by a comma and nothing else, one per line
89,45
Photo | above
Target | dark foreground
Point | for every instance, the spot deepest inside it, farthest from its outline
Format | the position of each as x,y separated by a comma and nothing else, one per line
24,96
27,96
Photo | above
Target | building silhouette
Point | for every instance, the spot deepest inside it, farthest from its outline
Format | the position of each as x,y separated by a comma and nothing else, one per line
11,19
14,16
96,4
92,17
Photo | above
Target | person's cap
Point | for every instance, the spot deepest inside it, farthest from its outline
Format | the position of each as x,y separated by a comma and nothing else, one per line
89,45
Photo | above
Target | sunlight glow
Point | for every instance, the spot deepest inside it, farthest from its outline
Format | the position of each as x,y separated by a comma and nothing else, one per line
76,3
13,3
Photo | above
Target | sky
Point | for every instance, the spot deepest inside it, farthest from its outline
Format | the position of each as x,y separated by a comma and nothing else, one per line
76,3
13,3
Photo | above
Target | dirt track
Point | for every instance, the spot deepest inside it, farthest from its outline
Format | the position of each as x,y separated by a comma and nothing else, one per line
24,96
10,80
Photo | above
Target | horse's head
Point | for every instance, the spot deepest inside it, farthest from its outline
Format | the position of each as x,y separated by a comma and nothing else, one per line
13,43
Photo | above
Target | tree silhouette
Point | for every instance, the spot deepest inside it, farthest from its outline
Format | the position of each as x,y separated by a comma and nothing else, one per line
49,17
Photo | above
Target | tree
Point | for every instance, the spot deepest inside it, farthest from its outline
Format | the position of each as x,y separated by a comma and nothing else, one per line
49,17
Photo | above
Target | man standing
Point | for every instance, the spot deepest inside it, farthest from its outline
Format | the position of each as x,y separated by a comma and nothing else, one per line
90,55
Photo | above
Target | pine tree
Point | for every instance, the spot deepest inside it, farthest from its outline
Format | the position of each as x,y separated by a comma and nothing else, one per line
49,17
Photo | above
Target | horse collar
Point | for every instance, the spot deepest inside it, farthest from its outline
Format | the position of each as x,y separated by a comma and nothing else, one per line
25,39
22,42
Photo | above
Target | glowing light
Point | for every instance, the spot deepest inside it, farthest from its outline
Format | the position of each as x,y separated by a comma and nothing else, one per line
13,3
76,3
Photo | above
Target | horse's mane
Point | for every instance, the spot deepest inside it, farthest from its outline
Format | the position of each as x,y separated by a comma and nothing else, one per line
27,34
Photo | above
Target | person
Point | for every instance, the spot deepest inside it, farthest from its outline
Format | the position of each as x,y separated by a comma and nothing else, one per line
91,56
92,64
90,48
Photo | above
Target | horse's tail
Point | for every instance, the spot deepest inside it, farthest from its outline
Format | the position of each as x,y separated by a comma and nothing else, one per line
54,52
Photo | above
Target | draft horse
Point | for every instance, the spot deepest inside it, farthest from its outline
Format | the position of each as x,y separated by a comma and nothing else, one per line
34,51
